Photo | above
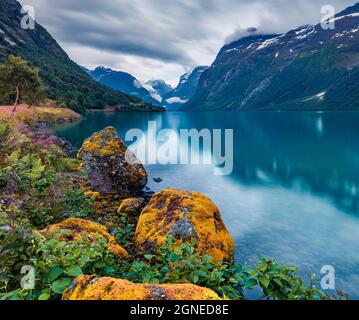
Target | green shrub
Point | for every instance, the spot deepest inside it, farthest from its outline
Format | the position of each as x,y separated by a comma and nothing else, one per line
182,265
27,171
4,131
56,264
77,205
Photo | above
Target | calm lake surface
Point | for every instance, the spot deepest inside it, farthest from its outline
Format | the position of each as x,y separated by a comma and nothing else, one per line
294,191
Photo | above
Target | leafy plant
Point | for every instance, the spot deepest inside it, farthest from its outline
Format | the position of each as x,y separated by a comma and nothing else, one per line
125,233
282,282
77,205
17,247
171,264
4,131
56,264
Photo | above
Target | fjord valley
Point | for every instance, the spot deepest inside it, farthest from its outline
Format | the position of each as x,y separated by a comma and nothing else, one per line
90,221
156,92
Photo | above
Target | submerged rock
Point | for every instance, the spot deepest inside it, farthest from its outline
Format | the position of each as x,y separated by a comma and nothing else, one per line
74,229
94,288
188,217
132,206
110,165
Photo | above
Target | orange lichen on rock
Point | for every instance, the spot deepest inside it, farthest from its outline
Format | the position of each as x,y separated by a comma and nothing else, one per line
92,194
110,165
187,217
131,206
93,288
74,229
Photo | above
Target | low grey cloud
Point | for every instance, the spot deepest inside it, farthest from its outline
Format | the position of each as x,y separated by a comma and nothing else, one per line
162,38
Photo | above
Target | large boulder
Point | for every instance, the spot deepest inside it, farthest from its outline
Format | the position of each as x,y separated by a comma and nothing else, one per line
188,217
110,165
94,288
74,229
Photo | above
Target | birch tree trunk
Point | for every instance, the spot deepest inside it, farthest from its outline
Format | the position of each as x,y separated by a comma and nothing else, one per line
17,97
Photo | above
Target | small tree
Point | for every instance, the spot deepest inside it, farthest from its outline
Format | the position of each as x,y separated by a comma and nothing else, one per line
19,81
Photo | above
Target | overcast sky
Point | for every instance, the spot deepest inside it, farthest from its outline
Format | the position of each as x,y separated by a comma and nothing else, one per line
162,39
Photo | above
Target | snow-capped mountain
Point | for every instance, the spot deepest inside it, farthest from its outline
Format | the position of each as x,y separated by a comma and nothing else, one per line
123,82
159,88
311,68
185,90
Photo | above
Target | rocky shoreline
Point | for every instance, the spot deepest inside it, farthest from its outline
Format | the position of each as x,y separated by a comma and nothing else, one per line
95,231
188,217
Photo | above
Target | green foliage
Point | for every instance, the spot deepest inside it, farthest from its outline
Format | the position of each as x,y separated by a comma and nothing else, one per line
125,232
56,263
27,171
182,265
282,282
57,159
77,205
4,131
17,72
61,262
172,264
17,247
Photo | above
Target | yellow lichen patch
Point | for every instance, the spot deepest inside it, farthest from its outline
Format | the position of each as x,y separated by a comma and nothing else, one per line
92,194
110,166
188,217
93,288
131,206
74,229
105,142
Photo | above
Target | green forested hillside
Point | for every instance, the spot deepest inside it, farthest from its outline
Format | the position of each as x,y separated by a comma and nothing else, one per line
66,81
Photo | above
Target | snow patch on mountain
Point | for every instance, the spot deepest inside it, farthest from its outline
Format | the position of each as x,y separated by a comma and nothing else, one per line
176,100
268,43
352,15
154,93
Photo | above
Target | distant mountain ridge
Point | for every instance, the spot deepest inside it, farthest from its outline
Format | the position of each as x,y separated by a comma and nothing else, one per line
67,82
185,90
158,87
123,82
156,92
308,68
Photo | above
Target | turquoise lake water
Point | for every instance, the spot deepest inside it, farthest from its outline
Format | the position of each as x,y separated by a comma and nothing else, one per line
294,191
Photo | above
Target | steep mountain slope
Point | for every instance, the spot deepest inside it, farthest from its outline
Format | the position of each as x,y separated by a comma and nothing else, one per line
305,69
158,88
123,82
66,81
185,90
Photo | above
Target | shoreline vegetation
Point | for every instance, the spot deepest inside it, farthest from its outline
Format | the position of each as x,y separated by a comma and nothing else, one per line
87,229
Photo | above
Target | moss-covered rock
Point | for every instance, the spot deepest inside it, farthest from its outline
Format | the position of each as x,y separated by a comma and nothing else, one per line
110,165
187,217
74,229
132,206
93,288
